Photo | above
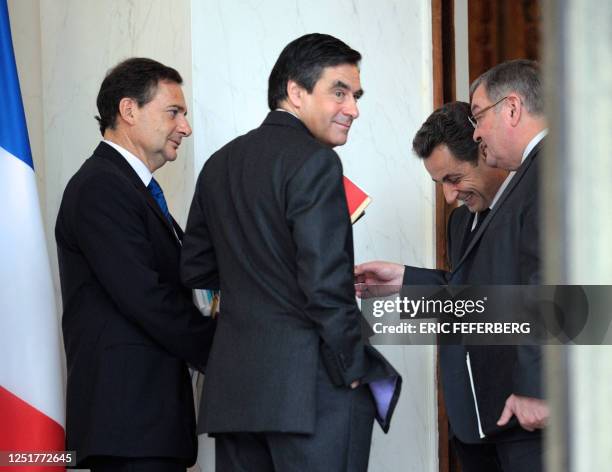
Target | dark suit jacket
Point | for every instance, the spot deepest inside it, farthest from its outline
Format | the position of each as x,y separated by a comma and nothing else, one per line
269,226
128,324
504,251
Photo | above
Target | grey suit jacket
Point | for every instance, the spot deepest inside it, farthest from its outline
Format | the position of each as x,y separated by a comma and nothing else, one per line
269,226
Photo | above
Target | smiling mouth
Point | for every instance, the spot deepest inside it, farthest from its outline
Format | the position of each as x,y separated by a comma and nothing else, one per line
176,143
483,150
466,199
344,125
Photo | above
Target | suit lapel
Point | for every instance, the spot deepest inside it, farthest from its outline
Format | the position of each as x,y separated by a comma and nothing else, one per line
177,230
176,234
460,232
520,173
466,231
110,154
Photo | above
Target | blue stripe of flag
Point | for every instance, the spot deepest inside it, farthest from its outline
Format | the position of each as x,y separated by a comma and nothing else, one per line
13,129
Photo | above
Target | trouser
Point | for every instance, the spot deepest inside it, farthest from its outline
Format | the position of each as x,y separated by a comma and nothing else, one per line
520,455
340,443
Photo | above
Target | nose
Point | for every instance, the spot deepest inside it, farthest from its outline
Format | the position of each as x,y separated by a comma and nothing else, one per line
183,127
450,192
351,108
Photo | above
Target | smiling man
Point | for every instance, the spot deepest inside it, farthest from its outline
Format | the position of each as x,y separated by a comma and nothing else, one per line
289,378
453,161
130,327
452,158
492,240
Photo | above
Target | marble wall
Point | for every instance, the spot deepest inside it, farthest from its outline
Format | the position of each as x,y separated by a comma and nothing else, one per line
235,45
225,51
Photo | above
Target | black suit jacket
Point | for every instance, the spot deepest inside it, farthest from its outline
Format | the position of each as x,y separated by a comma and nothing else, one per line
504,251
269,226
128,324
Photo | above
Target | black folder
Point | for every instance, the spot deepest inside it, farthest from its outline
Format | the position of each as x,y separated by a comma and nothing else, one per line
491,370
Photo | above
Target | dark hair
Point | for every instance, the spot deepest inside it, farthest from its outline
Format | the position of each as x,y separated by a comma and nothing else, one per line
135,78
303,61
448,125
521,76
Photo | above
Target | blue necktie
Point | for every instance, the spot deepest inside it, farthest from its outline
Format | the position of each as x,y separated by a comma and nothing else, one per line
158,195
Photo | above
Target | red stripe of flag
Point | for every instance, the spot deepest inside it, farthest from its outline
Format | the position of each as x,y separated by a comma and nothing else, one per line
24,428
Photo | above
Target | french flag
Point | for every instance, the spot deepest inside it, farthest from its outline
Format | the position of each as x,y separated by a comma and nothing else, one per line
31,379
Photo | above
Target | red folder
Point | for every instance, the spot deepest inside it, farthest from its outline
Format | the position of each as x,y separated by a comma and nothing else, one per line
356,199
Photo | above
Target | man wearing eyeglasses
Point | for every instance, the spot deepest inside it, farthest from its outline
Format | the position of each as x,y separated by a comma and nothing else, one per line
509,124
497,245
508,114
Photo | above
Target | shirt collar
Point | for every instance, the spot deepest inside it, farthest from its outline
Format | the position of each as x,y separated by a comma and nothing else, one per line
287,111
501,189
139,167
536,139
533,143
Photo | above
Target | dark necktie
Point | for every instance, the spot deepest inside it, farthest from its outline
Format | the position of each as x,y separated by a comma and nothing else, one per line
158,195
481,217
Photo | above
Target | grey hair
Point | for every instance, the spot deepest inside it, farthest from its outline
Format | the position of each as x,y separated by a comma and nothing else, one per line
520,76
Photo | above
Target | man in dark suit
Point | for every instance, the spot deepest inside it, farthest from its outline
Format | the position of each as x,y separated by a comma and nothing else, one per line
129,325
289,382
492,239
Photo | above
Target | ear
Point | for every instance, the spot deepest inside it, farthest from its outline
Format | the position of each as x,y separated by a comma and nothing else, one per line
128,109
515,106
295,93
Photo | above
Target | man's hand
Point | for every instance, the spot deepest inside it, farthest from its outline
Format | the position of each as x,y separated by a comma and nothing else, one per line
378,278
531,413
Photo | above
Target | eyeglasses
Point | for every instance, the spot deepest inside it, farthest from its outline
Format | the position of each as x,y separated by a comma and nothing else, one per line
474,119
